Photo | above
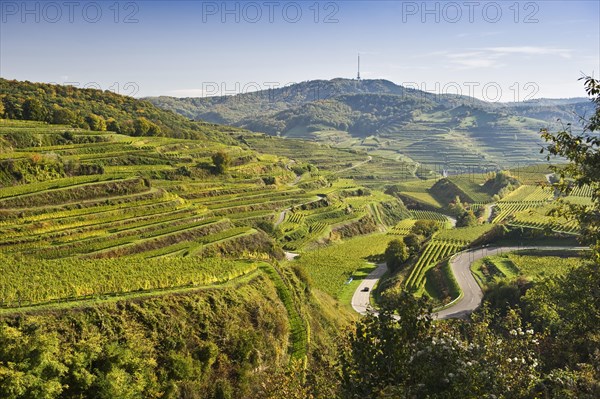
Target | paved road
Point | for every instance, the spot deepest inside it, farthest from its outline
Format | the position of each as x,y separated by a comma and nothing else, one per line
461,267
361,299
472,295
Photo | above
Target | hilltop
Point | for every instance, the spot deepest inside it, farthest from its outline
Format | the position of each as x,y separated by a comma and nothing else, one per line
389,120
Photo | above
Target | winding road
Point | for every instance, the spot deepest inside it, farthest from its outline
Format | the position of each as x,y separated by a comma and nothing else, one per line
460,264
361,300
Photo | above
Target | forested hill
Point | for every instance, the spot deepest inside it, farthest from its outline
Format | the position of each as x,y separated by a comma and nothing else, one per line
244,106
99,110
251,109
389,120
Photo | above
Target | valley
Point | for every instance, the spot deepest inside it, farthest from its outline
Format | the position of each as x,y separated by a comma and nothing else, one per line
267,241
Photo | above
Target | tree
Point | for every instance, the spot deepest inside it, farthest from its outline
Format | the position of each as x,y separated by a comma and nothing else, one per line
64,116
395,255
1,107
583,153
425,228
95,122
400,354
141,126
113,125
466,219
221,160
34,110
128,127
413,242
377,354
457,207
154,130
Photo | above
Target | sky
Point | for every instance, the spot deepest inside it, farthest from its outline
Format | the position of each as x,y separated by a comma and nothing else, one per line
492,50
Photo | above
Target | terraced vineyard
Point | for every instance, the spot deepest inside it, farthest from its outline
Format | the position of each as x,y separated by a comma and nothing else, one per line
429,215
74,279
538,218
529,207
528,193
332,268
403,227
444,244
523,198
88,197
127,207
434,252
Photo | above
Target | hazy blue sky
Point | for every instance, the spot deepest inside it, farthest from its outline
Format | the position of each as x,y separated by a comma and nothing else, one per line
517,49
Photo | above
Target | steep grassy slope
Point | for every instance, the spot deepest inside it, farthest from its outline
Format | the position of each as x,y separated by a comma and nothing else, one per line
200,345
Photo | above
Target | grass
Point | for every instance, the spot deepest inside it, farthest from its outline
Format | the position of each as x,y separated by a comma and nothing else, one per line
530,264
347,292
299,334
332,267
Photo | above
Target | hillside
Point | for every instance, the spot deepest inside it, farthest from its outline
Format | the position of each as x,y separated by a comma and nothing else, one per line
442,132
153,266
102,229
99,111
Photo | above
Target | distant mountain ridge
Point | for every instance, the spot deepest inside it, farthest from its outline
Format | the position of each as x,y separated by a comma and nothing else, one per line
387,119
232,109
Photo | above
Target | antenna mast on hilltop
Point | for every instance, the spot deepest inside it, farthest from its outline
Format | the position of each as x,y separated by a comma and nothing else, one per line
358,74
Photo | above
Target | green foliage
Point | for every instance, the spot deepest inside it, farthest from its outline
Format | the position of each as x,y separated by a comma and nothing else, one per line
221,160
414,243
379,351
425,228
400,353
501,184
33,110
69,105
144,127
395,255
169,346
96,123
64,116
466,219
583,169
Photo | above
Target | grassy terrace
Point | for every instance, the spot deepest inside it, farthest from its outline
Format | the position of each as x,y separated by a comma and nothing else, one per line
530,264
31,282
158,200
143,203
